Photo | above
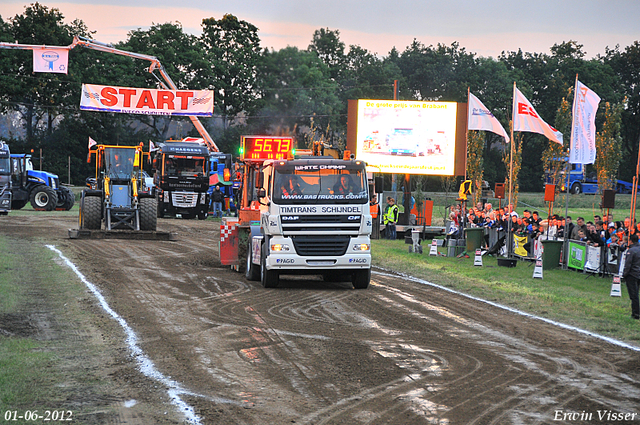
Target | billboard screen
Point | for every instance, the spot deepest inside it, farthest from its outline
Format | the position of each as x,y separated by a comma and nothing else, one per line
407,137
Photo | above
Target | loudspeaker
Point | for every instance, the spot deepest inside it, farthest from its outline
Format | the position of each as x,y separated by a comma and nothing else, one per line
549,192
609,198
378,183
499,190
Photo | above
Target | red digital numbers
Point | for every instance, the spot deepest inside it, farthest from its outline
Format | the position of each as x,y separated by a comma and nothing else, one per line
262,147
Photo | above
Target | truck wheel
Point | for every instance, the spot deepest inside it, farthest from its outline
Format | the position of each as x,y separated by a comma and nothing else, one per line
44,198
576,188
160,209
91,213
252,271
270,278
202,215
361,279
148,210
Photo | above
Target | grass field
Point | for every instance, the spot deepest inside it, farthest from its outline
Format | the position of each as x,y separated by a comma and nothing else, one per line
566,296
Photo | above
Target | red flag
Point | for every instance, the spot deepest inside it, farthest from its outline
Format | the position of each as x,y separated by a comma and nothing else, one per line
525,118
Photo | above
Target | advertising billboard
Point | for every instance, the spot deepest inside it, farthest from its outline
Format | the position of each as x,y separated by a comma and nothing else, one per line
407,137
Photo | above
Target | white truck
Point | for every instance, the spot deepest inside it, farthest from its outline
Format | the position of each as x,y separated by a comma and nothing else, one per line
302,216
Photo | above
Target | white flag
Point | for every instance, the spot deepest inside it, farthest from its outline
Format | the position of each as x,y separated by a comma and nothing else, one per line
152,146
51,59
583,127
525,118
480,118
92,143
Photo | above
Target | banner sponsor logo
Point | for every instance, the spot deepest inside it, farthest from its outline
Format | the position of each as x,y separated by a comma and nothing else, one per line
481,118
131,100
51,59
583,134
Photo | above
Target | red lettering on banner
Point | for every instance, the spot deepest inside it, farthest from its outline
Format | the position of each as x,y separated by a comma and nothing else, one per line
127,93
146,99
165,98
108,96
523,108
184,95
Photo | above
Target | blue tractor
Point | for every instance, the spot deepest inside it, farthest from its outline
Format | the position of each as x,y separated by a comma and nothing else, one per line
5,179
41,188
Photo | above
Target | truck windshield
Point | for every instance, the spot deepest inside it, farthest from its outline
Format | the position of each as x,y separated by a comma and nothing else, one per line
5,165
184,166
318,183
119,162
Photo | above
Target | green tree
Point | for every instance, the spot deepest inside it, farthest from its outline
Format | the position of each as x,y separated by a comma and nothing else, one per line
553,157
475,162
512,159
297,88
182,56
327,45
608,143
232,49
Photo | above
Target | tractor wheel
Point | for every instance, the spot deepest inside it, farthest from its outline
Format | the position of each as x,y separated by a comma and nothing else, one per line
66,198
361,279
91,213
44,198
148,211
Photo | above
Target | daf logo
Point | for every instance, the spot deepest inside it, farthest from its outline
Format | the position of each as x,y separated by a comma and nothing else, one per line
290,217
353,217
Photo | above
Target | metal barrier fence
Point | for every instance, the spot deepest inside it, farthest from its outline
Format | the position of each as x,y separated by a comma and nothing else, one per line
579,256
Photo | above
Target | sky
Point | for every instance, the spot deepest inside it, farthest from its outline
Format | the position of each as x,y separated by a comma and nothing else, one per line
486,28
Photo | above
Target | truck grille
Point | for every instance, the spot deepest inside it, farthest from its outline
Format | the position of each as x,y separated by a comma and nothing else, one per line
184,199
320,245
293,224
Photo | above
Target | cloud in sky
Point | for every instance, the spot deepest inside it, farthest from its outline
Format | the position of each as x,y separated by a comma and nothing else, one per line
486,28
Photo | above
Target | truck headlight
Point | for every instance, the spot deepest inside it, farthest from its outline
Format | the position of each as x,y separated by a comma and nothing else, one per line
278,247
362,247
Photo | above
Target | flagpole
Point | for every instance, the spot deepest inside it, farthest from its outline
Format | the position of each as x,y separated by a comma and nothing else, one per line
513,110
512,142
567,170
466,159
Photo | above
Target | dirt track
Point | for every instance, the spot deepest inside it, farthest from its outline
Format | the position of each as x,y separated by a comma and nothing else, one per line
311,352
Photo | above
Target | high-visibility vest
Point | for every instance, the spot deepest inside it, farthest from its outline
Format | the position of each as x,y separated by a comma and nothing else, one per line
391,216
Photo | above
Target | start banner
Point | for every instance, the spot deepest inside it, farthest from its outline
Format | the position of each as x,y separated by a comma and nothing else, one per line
131,100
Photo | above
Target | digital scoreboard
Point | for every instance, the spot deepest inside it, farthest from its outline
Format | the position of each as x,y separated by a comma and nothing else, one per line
266,147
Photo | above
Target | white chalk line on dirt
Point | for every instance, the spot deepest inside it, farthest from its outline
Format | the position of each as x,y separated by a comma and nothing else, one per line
516,311
145,365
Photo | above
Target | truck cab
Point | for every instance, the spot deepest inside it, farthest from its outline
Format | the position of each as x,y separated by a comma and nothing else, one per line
181,178
314,219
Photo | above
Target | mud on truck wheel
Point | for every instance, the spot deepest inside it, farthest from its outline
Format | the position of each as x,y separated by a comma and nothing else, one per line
361,279
270,278
90,213
252,271
148,214
43,198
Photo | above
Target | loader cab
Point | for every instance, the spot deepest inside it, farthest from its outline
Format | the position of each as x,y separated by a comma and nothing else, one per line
119,163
